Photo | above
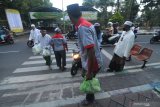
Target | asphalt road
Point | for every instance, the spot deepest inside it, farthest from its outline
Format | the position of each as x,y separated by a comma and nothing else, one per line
24,78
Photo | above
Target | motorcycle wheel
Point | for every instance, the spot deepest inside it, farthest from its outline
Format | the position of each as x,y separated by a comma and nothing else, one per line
151,40
11,41
74,69
30,44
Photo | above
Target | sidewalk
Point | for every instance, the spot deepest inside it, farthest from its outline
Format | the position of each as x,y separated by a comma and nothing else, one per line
21,33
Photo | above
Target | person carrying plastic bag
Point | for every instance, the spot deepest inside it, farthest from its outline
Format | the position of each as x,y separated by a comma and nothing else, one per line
88,45
36,49
44,41
90,86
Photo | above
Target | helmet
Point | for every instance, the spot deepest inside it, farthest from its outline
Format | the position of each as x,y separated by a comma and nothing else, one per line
96,24
110,23
32,25
57,30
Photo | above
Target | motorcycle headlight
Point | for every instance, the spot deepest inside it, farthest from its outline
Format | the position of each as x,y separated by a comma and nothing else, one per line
76,56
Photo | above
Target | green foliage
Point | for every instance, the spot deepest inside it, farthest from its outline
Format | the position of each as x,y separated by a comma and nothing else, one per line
151,13
89,3
117,17
129,9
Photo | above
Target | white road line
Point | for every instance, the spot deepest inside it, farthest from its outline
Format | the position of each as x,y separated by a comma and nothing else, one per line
46,88
38,68
53,56
36,77
135,70
142,42
9,52
108,55
100,95
157,67
56,76
42,61
138,66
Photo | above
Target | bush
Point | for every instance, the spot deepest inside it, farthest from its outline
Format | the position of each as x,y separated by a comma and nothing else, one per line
117,17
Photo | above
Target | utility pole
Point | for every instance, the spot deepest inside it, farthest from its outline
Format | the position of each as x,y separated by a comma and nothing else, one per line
63,17
130,9
118,5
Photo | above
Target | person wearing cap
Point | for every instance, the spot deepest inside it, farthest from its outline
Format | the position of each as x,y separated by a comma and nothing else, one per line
98,33
88,44
44,41
122,48
59,45
110,27
34,34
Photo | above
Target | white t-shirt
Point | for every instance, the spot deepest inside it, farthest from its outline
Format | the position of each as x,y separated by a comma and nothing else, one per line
44,41
125,44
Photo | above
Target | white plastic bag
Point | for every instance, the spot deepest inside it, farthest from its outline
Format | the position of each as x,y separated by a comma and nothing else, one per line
46,51
36,49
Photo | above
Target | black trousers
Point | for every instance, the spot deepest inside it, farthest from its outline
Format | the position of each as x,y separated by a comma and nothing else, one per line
90,97
117,63
48,60
60,58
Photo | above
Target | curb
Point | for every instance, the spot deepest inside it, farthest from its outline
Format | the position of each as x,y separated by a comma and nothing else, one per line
20,34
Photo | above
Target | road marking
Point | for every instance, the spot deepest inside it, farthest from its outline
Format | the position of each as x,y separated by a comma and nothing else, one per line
56,76
38,68
53,56
142,42
134,70
9,52
157,67
138,66
108,55
42,61
46,88
98,96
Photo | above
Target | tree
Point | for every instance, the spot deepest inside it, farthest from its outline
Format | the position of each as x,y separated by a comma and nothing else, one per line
129,9
89,3
117,17
24,6
103,6
151,12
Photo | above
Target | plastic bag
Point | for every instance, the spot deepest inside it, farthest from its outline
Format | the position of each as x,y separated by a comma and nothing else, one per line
36,49
46,52
90,86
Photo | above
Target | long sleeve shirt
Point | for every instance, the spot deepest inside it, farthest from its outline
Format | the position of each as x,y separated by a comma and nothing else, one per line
125,44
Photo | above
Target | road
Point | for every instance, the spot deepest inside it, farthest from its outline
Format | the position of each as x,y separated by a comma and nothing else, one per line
26,81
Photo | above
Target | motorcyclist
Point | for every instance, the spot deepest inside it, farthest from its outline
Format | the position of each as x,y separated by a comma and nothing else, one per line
34,34
3,33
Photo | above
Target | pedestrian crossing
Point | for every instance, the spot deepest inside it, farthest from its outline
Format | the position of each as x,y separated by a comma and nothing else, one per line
27,84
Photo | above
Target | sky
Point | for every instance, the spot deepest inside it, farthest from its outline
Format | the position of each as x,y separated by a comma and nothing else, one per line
58,3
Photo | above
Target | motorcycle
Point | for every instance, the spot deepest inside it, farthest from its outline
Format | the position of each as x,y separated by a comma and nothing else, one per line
155,38
7,39
76,64
106,39
30,43
71,35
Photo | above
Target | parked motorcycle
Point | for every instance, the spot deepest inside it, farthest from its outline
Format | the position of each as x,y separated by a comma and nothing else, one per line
30,43
155,38
7,39
106,39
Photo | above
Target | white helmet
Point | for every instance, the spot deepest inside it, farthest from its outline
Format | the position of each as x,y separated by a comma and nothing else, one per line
57,29
32,25
110,23
96,24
